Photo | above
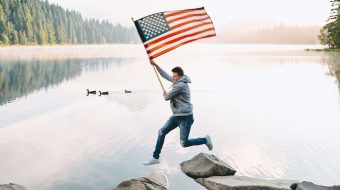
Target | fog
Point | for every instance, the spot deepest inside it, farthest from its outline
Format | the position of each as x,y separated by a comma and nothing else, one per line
222,12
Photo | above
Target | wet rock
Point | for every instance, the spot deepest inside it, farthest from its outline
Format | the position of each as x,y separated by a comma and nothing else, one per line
305,185
11,186
153,181
243,183
205,165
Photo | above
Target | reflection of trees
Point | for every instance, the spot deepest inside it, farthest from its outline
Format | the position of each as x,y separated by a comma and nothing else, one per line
332,59
19,78
337,72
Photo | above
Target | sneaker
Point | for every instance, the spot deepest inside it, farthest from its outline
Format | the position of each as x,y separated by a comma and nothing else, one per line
151,161
209,143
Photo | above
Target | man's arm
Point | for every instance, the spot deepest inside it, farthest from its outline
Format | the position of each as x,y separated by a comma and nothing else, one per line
173,92
162,72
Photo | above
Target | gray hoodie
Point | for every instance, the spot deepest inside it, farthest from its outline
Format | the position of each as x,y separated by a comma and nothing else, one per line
179,95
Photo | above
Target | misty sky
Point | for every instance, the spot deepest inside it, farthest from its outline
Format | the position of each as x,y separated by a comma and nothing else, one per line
222,11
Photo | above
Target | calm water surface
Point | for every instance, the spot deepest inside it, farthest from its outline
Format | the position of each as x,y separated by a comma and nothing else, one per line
272,111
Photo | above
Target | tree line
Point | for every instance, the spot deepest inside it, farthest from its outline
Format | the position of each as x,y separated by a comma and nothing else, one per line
330,33
32,22
20,78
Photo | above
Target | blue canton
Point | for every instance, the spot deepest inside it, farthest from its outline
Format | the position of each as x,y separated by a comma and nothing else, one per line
152,26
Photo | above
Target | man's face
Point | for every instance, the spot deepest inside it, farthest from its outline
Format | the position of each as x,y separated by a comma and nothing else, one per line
176,76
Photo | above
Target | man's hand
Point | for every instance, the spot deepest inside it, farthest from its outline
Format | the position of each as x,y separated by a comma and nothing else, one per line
152,62
165,93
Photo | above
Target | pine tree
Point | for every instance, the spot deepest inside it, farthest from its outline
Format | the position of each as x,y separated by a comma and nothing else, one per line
39,22
23,38
42,37
330,33
50,34
4,39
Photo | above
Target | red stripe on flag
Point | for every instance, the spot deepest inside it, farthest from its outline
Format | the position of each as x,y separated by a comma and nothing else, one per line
184,17
179,38
174,33
174,47
182,11
189,22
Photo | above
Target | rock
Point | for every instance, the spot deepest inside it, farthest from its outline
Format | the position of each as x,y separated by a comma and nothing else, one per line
153,181
243,183
205,165
11,186
305,185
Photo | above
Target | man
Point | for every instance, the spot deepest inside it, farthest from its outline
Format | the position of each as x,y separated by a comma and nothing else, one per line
182,117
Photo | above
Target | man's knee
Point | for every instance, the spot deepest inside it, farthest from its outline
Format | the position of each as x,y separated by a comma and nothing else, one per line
184,143
161,133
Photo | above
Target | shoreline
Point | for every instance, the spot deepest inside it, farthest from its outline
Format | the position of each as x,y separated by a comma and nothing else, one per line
51,52
324,49
66,51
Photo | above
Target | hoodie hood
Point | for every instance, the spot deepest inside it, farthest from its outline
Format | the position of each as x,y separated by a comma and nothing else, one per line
184,79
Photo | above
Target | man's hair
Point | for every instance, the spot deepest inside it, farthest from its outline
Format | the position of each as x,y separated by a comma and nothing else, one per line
178,70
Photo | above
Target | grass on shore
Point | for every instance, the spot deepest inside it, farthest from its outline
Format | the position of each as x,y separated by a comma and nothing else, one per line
325,49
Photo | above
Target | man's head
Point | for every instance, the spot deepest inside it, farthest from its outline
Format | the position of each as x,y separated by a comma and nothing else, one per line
177,73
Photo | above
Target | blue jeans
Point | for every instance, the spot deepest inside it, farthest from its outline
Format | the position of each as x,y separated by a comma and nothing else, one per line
184,123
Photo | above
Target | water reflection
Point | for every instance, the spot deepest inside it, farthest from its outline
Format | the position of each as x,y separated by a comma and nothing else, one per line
272,114
135,101
332,59
20,78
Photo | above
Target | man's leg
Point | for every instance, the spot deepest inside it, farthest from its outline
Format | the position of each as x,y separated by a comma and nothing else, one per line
162,132
185,123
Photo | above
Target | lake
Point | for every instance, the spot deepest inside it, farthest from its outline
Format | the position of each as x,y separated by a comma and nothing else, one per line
273,111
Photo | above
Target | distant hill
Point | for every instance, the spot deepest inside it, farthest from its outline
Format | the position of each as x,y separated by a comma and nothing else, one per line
266,32
30,22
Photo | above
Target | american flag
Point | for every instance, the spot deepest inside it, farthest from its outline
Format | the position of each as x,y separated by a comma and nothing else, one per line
164,31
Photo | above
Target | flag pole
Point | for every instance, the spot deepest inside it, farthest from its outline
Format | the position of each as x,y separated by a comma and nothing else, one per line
153,66
160,82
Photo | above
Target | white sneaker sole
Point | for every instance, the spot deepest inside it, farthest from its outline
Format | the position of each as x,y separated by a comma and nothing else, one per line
149,164
209,143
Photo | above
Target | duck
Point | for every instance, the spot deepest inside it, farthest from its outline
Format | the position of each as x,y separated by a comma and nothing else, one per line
103,93
91,92
127,91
